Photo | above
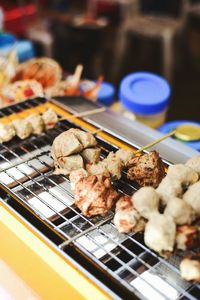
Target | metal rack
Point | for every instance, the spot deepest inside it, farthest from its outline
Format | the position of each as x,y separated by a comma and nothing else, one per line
26,174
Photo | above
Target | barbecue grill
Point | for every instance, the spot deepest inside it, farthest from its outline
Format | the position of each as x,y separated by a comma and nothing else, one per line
57,251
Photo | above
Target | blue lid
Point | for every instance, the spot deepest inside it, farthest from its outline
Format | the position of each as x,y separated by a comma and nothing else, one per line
24,50
106,93
169,126
144,93
7,39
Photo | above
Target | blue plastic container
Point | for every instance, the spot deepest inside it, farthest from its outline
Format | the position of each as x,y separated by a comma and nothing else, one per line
106,94
169,126
147,96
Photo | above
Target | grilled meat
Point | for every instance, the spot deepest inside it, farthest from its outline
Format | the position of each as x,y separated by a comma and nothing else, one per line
99,168
194,163
94,195
147,169
37,123
187,237
65,165
7,132
124,155
113,165
50,118
192,196
126,217
23,128
169,188
77,175
91,155
182,173
85,138
190,268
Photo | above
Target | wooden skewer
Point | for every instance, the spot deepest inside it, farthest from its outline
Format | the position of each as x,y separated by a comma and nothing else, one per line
155,142
84,114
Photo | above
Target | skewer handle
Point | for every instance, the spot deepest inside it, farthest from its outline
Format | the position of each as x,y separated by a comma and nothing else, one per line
155,142
84,114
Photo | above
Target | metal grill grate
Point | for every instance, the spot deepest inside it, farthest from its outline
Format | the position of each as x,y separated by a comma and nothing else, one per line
26,172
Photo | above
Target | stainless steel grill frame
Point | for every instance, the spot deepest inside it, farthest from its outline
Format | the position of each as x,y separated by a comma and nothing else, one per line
26,173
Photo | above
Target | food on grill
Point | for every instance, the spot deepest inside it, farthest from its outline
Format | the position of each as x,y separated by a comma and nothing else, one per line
146,201
94,195
126,217
194,163
45,70
190,268
113,165
169,188
37,123
124,155
99,168
187,237
77,175
7,132
65,165
23,128
91,155
50,118
180,211
182,173
192,196
147,169
160,233
85,138
65,144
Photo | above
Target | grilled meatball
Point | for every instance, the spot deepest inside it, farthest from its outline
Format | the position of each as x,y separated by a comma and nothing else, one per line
192,196
190,268
194,163
183,173
124,155
77,175
94,195
187,237
113,165
23,128
126,217
65,165
85,138
91,155
7,132
169,188
160,233
180,211
146,201
37,123
99,168
147,169
65,144
50,118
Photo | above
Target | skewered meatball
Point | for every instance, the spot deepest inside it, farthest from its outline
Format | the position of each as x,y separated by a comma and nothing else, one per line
124,155
194,163
168,188
126,217
146,201
23,128
37,123
77,175
180,211
190,268
85,138
183,173
50,118
65,165
192,196
7,132
94,195
100,168
65,144
147,169
160,233
114,166
187,237
91,155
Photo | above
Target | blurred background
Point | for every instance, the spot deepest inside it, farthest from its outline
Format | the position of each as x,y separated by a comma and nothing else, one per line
116,37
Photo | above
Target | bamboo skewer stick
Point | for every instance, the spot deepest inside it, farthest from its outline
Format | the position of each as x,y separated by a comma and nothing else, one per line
155,142
84,114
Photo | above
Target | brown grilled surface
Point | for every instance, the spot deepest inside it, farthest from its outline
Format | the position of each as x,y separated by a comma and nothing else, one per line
124,258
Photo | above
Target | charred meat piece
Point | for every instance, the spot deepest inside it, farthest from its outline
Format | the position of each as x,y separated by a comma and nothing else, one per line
65,144
124,155
192,196
77,175
160,233
94,195
85,138
187,237
37,123
147,169
146,201
65,165
126,217
180,211
7,132
194,163
182,173
169,188
23,128
50,118
91,155
190,268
